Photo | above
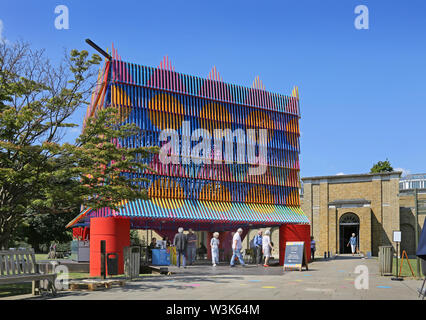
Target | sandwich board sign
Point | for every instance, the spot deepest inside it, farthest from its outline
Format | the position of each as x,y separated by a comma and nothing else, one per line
295,255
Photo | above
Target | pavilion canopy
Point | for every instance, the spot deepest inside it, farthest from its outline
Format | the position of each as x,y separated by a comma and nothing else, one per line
151,213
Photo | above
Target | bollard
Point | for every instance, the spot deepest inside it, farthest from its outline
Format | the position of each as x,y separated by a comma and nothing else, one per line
103,259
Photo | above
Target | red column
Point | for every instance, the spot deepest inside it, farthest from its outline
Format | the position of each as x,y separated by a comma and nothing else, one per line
294,232
116,233
225,243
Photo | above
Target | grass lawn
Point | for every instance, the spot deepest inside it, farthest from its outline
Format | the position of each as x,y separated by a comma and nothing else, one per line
7,290
405,271
41,256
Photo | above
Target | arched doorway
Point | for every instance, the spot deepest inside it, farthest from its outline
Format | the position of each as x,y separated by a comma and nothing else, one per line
348,224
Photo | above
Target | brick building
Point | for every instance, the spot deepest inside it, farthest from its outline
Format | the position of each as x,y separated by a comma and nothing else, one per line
370,205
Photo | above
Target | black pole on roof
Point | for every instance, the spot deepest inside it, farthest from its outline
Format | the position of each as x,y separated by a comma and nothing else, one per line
97,48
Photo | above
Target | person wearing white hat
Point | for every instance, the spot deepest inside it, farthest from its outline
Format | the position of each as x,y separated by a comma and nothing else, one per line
353,243
214,244
266,247
236,248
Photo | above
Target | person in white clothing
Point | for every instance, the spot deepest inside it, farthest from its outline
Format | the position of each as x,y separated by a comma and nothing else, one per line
236,248
266,247
214,244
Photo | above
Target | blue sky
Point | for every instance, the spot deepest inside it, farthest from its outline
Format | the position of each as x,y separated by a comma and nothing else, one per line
362,92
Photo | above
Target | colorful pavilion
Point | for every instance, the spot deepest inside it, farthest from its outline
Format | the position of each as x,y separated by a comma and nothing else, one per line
211,197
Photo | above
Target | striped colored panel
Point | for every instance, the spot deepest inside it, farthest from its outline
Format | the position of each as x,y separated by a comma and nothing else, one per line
211,211
81,215
160,98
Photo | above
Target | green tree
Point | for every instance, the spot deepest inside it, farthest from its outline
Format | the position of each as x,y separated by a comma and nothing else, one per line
97,171
39,174
42,229
134,238
381,166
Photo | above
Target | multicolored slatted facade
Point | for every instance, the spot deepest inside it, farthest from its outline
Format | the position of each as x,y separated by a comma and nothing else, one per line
217,193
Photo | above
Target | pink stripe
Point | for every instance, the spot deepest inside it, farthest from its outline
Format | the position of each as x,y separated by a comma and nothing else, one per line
258,97
252,96
113,58
288,105
222,91
264,96
116,65
157,78
207,88
122,77
126,70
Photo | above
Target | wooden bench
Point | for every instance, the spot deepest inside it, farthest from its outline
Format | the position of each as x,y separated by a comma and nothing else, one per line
17,266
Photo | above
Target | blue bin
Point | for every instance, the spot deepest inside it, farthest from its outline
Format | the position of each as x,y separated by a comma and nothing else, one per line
160,257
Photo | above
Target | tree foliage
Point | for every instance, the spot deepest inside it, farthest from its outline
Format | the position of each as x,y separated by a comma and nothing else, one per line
381,166
97,171
41,229
38,173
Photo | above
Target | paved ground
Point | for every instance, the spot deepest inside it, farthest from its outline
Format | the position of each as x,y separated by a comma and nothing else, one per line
333,279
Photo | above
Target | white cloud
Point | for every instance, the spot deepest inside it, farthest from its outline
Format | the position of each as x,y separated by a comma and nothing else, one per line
404,171
340,174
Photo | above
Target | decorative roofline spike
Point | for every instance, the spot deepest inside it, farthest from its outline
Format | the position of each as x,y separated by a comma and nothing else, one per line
295,92
166,64
214,75
258,84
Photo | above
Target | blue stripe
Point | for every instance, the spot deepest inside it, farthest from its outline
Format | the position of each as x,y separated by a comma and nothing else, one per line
204,211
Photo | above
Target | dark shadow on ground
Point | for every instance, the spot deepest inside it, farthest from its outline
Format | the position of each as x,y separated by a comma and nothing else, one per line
249,270
348,257
147,284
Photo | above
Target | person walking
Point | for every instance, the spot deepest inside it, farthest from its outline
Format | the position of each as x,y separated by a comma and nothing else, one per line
192,247
236,248
214,244
258,247
313,248
352,242
52,251
266,247
180,242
